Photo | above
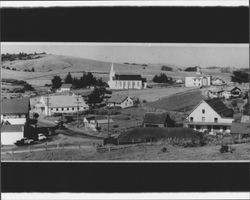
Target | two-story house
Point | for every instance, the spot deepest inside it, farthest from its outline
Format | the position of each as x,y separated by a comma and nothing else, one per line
212,116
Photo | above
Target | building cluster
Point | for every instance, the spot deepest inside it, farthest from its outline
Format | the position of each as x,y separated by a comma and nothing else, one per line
210,115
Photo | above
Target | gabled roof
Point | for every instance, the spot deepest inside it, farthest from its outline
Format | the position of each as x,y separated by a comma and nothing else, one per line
66,85
126,77
117,98
240,128
15,106
218,106
230,88
155,118
65,101
11,128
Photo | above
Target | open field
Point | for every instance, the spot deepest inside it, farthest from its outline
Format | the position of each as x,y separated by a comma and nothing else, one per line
138,153
153,94
184,101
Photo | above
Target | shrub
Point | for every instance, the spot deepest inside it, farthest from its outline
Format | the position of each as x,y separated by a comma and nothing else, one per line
166,68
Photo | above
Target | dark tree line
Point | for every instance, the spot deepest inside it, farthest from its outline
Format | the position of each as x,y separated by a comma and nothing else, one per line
162,78
20,56
166,68
240,77
191,69
85,81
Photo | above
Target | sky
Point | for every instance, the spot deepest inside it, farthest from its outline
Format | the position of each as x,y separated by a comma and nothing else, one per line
204,55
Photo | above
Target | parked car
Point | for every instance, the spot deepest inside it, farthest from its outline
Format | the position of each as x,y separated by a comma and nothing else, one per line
41,137
24,141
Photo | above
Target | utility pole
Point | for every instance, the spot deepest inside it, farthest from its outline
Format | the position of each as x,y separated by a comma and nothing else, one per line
108,123
78,103
48,103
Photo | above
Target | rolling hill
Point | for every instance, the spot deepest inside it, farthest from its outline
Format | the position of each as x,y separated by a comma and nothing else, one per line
49,65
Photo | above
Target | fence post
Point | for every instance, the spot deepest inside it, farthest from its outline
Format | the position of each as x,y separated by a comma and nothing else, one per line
46,146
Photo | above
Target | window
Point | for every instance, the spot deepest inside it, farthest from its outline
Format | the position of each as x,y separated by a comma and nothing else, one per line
191,119
203,111
51,108
203,119
67,108
73,108
57,109
62,109
215,119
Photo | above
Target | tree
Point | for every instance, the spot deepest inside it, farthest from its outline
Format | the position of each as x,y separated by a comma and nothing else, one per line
166,68
68,78
101,83
96,96
28,87
162,78
240,77
56,82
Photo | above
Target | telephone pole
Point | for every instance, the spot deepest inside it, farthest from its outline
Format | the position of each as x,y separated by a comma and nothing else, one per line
78,103
48,103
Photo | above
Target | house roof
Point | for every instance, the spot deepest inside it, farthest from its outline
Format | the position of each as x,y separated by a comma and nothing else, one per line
45,123
215,89
15,106
11,128
66,85
240,128
230,88
65,101
126,77
155,118
117,98
218,106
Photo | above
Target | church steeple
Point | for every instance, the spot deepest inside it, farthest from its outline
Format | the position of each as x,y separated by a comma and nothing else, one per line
111,73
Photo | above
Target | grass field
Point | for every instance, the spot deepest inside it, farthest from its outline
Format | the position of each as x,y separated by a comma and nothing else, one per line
184,101
153,94
138,153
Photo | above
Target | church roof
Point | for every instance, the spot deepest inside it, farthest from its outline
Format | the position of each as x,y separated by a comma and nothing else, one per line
126,77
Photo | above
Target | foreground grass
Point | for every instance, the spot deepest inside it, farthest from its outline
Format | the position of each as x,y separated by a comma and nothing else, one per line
139,152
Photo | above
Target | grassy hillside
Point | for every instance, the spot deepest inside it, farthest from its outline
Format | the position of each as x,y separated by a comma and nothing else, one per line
48,65
184,101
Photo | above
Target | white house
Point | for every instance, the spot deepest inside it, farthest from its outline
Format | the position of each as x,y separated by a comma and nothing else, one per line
65,88
121,101
125,81
197,81
11,133
49,105
95,122
15,111
218,82
215,92
210,115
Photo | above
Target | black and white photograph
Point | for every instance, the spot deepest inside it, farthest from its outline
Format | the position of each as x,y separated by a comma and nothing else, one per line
113,101
121,99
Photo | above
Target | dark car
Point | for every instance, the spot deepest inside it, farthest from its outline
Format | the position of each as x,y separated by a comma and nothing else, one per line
24,141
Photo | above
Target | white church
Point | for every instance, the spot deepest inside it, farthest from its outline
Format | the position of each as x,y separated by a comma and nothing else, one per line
126,81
